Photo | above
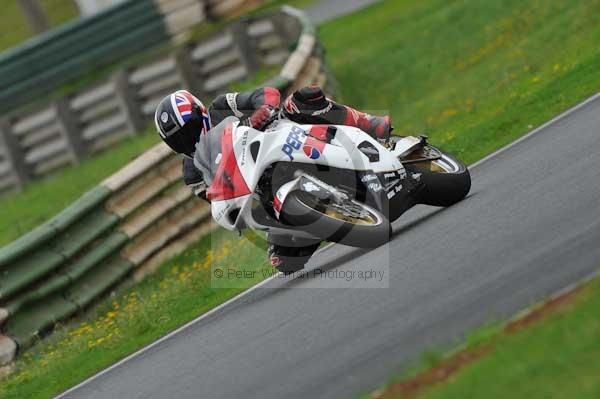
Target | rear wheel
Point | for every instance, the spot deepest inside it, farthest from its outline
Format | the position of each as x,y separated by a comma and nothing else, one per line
344,221
446,179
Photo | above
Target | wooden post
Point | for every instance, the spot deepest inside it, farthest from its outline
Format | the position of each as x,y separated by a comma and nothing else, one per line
35,15
67,124
287,28
245,46
13,153
186,70
127,100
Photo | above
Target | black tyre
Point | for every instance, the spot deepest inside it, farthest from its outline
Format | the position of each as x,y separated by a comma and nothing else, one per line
367,228
446,180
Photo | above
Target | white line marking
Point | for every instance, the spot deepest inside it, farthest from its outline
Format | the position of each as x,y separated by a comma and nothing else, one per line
169,335
249,290
179,329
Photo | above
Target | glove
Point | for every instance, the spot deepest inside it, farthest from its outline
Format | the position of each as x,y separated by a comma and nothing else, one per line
263,116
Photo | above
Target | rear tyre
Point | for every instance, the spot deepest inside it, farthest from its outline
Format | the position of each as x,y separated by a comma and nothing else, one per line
446,180
350,223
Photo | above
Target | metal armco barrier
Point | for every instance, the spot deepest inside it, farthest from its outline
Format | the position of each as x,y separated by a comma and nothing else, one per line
132,220
37,140
48,61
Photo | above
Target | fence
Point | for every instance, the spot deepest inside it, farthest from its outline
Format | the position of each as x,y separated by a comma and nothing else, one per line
40,139
131,221
79,47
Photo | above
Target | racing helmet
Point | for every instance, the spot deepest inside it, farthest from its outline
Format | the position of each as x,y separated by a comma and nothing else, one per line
180,120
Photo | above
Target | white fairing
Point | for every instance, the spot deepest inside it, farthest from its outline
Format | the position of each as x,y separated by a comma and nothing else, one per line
285,142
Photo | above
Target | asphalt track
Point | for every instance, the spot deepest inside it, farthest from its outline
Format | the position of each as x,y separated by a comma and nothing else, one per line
325,10
529,228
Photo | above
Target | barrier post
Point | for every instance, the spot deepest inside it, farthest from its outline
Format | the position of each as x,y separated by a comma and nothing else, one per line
127,102
13,153
185,69
286,27
246,47
68,129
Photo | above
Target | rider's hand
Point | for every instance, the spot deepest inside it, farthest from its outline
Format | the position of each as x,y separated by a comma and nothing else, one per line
264,115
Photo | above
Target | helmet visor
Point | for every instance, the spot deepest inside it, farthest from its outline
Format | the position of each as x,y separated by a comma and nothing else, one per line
185,139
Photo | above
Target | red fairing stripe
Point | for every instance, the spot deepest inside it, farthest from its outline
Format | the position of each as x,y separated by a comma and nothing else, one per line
319,132
277,204
318,144
272,96
228,182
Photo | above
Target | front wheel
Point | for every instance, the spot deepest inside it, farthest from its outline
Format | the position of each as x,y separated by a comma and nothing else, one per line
446,179
344,221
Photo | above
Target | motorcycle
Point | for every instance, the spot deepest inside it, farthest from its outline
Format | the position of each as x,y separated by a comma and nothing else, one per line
328,182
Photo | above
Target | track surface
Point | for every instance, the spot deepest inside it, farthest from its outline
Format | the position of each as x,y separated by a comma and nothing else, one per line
529,228
325,10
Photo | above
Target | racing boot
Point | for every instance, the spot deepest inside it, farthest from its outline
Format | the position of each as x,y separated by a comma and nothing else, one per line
289,260
309,105
379,127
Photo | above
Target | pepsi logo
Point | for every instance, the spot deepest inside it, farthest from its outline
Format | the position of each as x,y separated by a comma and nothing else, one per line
311,152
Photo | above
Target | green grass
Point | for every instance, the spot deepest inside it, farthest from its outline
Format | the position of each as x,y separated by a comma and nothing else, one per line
40,200
555,358
60,11
14,28
474,74
181,289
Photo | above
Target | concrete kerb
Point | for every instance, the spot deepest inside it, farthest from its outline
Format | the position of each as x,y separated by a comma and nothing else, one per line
8,350
3,315
138,167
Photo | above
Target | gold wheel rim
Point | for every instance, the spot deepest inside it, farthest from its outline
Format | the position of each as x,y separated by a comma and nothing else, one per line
430,166
333,213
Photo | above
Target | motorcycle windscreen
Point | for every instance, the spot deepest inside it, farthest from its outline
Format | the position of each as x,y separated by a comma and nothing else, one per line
228,182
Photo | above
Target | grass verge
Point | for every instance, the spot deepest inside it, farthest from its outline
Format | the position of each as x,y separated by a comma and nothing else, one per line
475,75
551,352
14,28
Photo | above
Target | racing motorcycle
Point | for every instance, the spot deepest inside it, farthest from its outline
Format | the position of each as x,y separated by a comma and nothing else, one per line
328,182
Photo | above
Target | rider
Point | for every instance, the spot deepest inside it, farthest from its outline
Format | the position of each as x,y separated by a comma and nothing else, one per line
185,125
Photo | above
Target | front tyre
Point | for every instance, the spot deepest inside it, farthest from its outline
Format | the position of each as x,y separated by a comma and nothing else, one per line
446,179
346,221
